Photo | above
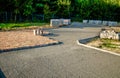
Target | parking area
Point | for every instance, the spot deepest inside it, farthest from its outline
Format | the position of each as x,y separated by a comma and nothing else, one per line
67,60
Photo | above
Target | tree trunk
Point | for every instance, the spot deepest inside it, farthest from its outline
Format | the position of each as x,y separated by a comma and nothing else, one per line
15,18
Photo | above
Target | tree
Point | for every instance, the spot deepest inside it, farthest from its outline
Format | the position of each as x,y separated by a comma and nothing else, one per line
28,8
64,7
47,12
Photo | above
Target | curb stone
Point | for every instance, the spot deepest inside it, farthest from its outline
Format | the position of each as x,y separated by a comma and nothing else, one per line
29,47
110,52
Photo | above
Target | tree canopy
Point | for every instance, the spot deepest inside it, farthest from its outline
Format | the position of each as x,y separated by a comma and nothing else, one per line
74,9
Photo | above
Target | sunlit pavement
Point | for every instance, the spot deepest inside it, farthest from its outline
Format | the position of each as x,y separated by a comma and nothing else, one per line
66,60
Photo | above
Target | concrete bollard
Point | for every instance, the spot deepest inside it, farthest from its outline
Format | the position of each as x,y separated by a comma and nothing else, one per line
35,32
41,31
38,31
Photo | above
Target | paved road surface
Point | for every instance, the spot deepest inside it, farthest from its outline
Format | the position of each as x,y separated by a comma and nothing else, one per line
67,60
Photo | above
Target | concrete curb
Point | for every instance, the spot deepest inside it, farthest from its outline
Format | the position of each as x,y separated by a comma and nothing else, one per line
29,47
110,52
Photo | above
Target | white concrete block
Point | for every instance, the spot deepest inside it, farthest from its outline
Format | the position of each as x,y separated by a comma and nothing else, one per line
112,23
85,21
105,23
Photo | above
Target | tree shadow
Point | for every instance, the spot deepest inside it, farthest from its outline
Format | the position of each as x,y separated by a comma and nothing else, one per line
51,35
30,47
2,74
81,25
84,41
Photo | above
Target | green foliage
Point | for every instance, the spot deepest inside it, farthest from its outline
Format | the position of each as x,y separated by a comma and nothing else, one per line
64,6
28,9
47,12
39,5
78,9
9,26
109,43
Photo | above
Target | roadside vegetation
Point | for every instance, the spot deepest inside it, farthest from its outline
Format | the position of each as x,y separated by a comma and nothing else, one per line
107,44
21,10
10,26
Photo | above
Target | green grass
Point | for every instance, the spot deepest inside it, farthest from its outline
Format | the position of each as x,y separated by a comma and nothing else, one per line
109,43
9,26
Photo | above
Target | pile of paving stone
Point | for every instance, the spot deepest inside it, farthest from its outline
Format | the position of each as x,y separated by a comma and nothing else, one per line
59,22
109,34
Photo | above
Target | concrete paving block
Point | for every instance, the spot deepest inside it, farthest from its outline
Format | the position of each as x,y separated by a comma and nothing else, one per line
59,22
66,21
91,22
112,23
98,22
105,23
85,21
54,22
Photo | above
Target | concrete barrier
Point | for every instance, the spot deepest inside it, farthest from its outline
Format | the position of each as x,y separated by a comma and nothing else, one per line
91,22
112,23
59,22
54,22
105,23
85,21
98,22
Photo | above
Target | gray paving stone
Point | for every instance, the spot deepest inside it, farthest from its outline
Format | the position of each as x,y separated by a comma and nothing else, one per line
67,60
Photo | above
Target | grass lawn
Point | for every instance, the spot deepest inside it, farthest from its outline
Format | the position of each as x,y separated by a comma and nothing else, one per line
9,26
108,44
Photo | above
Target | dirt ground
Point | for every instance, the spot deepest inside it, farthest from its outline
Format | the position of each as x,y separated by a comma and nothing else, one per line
21,38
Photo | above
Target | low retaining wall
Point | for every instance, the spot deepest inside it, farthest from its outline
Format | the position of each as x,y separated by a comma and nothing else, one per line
99,22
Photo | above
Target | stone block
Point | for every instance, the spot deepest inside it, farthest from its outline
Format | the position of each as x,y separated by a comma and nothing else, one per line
66,21
59,22
110,34
112,23
85,21
98,22
55,22
91,22
105,23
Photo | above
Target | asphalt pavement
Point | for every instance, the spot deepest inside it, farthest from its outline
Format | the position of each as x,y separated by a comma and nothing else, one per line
66,60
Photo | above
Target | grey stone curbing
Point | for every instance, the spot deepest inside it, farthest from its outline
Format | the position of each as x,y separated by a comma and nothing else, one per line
110,52
29,47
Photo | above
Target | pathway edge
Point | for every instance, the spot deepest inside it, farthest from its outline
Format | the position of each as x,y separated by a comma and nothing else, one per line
105,51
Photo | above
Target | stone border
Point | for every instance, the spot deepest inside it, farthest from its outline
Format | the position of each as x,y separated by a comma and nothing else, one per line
29,47
101,22
110,52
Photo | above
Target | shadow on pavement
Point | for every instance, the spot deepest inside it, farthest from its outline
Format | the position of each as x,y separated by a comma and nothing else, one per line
52,35
29,47
84,41
81,25
2,74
